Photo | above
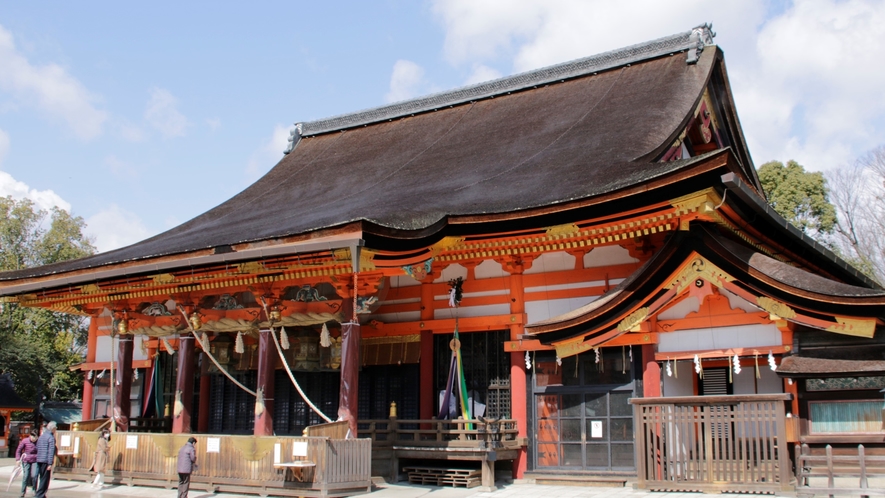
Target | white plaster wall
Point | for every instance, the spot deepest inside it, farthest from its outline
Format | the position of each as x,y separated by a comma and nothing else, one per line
608,255
683,385
452,272
542,310
104,349
740,336
744,382
769,382
737,302
403,281
491,309
552,261
679,310
489,269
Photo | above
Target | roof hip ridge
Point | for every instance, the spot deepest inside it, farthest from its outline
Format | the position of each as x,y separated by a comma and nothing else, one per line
692,41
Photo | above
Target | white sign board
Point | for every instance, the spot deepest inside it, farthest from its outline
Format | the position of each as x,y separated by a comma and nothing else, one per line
299,448
65,440
276,453
213,445
131,442
77,445
596,428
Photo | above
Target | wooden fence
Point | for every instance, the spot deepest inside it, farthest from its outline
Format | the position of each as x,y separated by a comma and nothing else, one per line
839,471
483,441
267,466
712,443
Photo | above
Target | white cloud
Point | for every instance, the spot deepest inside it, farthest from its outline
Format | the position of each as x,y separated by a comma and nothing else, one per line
4,146
268,153
214,123
43,199
51,89
115,227
162,114
807,79
482,73
406,81
819,59
129,131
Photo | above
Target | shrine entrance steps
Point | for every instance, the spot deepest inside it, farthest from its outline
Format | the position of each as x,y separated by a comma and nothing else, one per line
444,476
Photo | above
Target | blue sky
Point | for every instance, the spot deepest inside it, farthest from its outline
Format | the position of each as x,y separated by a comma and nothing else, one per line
138,117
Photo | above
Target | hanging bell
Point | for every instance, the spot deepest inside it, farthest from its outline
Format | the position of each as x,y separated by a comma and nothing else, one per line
275,314
123,327
195,321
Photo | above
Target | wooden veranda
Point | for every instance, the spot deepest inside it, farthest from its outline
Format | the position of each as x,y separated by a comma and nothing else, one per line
266,466
445,441
712,443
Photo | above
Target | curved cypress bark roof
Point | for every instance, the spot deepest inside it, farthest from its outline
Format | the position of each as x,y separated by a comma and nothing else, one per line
551,136
752,270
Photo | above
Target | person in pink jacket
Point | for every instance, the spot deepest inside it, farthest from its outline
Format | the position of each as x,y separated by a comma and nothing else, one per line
26,453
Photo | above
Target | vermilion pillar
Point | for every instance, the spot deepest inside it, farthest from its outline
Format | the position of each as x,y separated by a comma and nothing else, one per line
184,386
518,402
264,400
651,373
427,394
205,387
91,344
123,381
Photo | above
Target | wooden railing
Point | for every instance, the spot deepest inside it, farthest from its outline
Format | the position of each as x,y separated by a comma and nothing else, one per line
843,471
480,441
238,464
479,434
92,425
712,443
150,424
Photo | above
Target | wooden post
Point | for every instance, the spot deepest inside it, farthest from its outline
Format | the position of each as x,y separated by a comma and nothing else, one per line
205,388
184,386
427,394
651,373
88,385
518,402
264,403
123,384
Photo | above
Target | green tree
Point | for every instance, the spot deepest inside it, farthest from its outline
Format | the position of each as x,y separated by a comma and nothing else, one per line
799,196
38,346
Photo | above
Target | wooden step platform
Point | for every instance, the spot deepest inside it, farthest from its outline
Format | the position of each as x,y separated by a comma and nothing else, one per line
444,476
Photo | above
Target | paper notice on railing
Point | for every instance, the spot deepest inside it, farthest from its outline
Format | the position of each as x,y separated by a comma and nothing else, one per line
276,453
131,442
77,445
596,428
213,445
299,448
65,440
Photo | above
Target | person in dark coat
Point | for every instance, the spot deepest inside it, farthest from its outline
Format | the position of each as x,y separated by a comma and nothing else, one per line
187,462
26,453
46,450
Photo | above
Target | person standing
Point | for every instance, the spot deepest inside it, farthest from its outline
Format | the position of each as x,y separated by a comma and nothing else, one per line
102,455
187,462
46,450
26,453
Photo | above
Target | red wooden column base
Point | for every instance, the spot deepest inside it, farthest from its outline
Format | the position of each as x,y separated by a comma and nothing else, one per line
651,373
184,386
264,402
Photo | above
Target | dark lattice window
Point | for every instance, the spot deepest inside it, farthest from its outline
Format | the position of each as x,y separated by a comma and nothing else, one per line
291,413
381,385
232,410
486,368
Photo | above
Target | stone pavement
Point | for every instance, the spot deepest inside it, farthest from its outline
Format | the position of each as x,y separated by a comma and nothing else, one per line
75,489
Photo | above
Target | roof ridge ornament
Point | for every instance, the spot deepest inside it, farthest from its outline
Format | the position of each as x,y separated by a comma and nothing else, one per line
294,138
700,37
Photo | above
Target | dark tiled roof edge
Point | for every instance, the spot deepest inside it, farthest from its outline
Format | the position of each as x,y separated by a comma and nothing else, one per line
696,39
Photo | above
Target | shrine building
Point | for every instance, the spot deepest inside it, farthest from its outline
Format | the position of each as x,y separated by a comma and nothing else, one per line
614,247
